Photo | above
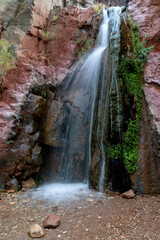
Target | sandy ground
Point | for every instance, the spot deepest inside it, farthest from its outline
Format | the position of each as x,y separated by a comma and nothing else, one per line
102,217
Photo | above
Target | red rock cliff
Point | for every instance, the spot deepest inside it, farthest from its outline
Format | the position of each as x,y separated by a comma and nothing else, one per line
147,15
46,40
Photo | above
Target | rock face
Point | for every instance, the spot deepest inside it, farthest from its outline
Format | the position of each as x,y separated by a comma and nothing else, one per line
46,40
114,2
147,178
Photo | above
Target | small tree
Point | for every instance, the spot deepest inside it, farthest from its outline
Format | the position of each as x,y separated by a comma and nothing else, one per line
7,60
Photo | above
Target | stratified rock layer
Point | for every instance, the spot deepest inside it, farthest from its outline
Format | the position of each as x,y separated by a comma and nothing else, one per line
147,178
46,39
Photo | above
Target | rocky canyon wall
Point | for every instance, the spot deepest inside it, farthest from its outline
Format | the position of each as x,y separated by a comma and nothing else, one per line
147,178
46,41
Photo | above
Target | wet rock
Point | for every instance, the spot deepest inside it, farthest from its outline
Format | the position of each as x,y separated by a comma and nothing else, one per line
36,231
29,184
52,221
12,185
36,155
129,194
24,189
39,63
36,105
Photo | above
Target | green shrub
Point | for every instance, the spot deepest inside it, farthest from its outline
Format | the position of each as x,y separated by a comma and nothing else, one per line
89,42
131,74
43,92
98,8
7,60
114,151
55,17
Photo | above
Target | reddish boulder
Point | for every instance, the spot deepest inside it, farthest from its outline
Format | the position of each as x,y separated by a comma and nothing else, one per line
29,184
52,221
129,194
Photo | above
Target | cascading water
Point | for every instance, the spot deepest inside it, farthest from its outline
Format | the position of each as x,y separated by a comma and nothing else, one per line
114,17
89,85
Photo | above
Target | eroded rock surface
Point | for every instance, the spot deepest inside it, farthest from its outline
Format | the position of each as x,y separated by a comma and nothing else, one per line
147,179
46,40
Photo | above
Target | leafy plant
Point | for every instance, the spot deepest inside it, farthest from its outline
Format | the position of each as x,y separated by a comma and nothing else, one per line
43,92
7,59
46,36
89,43
78,41
114,151
82,50
55,17
131,74
97,8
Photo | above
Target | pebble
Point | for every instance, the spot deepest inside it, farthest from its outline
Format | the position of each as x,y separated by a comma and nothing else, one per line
79,194
31,219
89,200
12,203
11,191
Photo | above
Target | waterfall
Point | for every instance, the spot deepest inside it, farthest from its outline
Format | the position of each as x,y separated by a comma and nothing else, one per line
114,18
90,86
84,85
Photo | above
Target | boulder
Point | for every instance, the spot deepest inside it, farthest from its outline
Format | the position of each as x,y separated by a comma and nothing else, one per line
52,221
29,184
12,185
36,231
129,194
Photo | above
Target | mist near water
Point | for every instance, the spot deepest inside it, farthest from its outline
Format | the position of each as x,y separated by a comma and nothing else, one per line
62,192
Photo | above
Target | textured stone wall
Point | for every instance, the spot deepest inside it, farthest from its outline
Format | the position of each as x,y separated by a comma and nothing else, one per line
147,179
26,27
113,2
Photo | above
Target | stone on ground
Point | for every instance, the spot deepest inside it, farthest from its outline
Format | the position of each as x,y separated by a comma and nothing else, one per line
11,191
129,194
12,185
29,184
52,221
36,231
